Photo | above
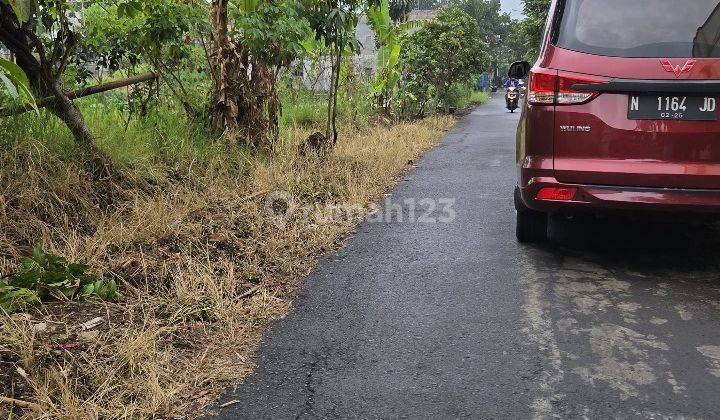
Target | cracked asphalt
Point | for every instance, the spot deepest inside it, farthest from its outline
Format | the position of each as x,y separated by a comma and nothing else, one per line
613,318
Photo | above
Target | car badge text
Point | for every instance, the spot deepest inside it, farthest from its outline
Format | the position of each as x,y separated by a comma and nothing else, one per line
575,128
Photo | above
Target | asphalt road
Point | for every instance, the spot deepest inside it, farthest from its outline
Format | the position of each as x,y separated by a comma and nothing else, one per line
454,318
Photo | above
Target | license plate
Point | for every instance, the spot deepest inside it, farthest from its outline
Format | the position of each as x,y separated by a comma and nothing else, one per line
665,107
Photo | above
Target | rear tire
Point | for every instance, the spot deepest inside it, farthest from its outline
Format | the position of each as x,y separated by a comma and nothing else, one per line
530,226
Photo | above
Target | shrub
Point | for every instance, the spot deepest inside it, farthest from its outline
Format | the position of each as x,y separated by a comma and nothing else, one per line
50,277
463,95
444,52
478,97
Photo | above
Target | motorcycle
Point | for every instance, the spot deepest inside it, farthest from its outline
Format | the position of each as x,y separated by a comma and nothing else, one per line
512,98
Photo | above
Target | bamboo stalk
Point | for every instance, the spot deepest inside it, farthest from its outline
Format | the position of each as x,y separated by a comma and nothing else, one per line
81,93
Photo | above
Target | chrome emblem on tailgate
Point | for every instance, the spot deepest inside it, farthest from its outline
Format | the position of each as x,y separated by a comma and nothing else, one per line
575,128
668,66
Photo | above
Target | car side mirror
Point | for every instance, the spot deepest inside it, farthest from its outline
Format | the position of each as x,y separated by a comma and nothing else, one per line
519,70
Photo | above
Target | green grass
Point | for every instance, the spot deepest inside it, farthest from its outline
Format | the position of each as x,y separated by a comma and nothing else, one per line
161,142
479,97
165,139
463,96
306,109
303,109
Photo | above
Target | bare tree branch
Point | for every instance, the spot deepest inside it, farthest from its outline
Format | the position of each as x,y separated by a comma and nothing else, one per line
81,93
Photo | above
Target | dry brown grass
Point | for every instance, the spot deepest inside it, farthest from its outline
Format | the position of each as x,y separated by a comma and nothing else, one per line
203,270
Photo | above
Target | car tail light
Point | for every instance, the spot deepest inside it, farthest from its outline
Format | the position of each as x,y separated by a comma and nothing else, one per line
550,87
542,87
569,96
556,194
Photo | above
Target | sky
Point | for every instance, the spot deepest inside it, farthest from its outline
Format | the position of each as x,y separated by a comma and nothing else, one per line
514,7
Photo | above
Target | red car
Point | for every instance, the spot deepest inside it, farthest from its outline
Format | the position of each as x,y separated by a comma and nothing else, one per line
621,112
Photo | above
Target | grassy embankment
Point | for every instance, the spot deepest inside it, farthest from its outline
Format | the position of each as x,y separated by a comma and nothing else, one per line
202,268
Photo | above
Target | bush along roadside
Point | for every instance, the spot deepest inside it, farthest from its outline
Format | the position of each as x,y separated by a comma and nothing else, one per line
440,60
47,277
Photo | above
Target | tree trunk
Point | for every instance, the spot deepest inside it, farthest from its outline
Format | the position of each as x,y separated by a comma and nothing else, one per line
264,109
96,161
223,106
64,109
230,62
331,97
331,133
245,102
338,65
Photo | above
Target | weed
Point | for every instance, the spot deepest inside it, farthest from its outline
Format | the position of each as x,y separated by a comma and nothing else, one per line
307,111
478,97
45,276
463,95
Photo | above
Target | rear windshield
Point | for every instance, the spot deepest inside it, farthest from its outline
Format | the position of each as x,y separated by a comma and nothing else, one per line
642,28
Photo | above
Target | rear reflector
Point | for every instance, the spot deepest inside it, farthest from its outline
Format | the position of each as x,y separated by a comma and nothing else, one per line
557,194
550,87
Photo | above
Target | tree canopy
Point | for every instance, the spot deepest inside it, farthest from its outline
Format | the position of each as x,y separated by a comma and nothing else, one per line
536,12
445,51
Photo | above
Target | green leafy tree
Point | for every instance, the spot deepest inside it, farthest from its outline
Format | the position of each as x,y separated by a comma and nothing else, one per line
444,52
110,38
334,23
498,30
536,12
43,38
512,49
493,25
50,40
152,34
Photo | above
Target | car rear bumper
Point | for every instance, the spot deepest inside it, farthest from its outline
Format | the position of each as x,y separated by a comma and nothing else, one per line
599,198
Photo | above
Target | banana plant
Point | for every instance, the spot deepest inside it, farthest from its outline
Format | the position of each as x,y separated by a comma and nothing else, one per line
13,80
389,42
23,8
15,83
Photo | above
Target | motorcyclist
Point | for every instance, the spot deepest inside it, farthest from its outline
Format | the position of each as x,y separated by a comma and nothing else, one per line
512,83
